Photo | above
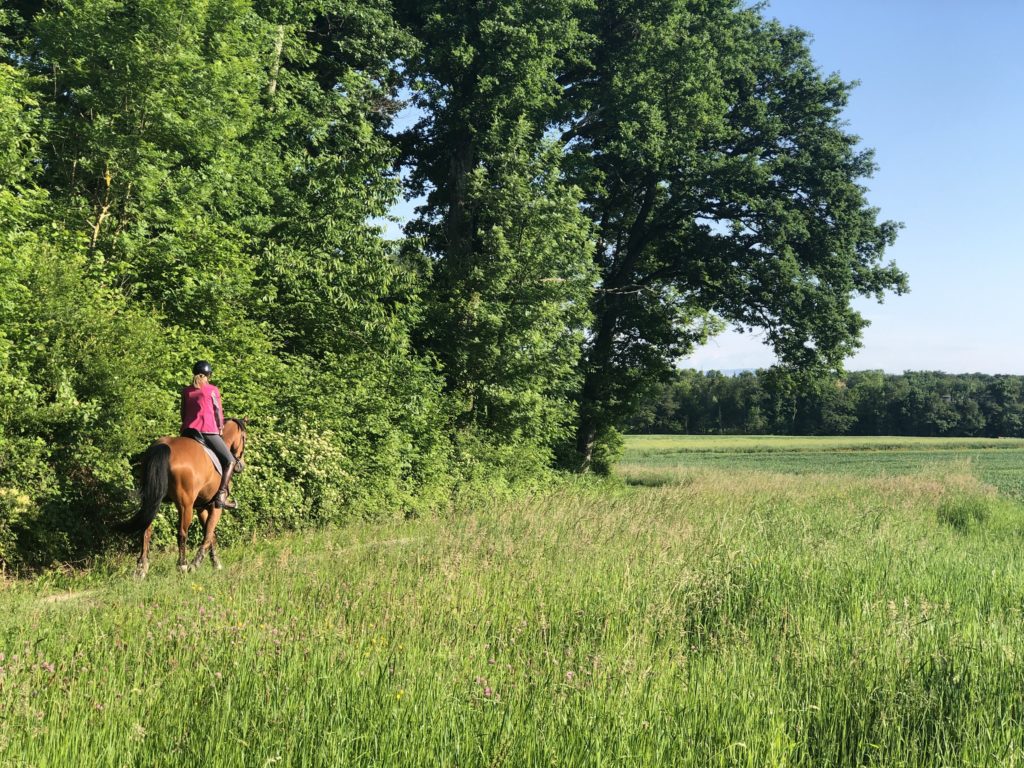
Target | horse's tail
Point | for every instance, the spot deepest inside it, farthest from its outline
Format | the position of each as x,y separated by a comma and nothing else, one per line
155,466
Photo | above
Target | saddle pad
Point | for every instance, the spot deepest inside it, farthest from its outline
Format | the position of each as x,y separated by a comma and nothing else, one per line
214,459
196,435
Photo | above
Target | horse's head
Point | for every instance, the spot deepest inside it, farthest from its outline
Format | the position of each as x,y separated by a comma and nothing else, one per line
235,435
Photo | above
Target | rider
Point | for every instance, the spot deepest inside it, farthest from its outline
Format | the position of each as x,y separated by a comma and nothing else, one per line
201,410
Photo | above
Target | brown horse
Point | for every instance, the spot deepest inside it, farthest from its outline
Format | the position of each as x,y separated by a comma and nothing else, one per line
178,469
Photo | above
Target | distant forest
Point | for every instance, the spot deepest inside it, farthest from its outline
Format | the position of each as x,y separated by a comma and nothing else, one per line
773,401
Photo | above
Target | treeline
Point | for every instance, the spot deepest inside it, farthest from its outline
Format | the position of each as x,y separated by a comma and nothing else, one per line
601,186
773,401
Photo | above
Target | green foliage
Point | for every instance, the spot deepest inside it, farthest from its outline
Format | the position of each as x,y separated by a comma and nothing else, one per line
511,277
205,192
607,451
510,328
89,383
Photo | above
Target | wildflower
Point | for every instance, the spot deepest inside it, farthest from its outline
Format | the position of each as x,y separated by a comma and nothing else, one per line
48,666
488,692
570,676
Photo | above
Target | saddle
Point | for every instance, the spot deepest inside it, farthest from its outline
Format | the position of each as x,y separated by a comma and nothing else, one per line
196,435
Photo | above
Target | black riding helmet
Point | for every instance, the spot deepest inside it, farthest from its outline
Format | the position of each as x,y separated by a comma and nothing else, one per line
202,367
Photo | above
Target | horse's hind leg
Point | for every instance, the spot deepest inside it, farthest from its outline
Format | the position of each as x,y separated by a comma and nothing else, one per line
184,521
208,537
143,564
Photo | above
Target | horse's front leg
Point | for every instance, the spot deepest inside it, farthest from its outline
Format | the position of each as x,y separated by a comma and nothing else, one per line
210,517
184,521
143,564
204,515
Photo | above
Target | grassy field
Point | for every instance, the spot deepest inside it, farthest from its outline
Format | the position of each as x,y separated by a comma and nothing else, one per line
998,462
734,602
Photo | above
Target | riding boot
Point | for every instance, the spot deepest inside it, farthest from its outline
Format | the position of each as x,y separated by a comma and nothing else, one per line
221,499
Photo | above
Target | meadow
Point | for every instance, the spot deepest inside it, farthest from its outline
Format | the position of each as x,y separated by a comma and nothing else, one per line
722,602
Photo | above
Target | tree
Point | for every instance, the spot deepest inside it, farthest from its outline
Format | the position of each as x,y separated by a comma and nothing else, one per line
721,184
868,391
1003,406
506,244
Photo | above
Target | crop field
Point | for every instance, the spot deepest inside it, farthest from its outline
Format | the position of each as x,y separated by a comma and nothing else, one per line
724,602
997,462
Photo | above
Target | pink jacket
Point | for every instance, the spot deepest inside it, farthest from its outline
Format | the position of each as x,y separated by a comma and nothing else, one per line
201,409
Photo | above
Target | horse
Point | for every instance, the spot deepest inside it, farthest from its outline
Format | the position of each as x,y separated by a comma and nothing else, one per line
178,469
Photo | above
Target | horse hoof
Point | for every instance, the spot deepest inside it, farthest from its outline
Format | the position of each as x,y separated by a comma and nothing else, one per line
140,573
184,568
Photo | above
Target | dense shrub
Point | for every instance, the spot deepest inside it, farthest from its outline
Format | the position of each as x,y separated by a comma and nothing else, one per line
160,203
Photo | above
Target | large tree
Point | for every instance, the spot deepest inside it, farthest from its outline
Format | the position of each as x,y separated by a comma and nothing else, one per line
723,186
505,240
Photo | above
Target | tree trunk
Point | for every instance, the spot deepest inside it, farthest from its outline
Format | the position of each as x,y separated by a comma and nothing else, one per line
455,274
598,376
460,225
595,383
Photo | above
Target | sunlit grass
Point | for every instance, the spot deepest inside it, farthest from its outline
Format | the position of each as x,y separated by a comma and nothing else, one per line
698,616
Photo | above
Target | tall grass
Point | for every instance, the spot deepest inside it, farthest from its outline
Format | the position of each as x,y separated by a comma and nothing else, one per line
699,616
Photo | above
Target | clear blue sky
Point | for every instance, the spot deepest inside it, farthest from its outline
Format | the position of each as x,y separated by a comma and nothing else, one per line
941,100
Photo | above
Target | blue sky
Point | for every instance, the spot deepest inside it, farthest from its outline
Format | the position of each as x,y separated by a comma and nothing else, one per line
941,100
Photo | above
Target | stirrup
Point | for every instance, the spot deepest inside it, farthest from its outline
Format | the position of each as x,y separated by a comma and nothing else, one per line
221,500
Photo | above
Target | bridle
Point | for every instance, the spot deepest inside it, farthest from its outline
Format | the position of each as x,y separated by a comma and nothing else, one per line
239,464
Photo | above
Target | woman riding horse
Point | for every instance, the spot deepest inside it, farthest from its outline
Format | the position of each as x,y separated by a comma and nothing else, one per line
178,469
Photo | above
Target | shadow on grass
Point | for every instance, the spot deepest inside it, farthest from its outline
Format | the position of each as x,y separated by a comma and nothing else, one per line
648,479
648,482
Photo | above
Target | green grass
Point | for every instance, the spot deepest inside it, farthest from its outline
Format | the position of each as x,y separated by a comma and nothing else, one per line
791,613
